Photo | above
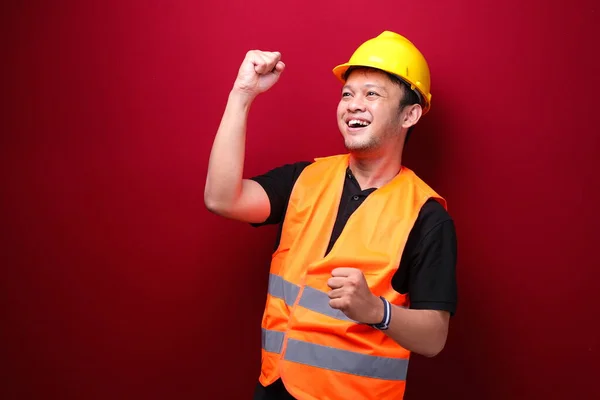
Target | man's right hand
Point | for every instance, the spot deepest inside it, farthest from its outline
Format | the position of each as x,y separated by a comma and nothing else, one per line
259,71
226,193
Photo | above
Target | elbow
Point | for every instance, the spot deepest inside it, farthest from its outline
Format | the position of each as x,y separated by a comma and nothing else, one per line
435,347
212,204
433,351
439,335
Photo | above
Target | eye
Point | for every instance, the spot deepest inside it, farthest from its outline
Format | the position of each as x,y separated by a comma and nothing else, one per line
345,94
372,93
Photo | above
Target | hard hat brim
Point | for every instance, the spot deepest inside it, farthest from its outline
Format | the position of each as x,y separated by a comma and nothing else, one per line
340,70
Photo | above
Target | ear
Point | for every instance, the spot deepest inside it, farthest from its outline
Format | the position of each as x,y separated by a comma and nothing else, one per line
411,115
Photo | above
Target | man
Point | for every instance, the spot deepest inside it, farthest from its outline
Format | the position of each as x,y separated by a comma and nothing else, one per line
364,269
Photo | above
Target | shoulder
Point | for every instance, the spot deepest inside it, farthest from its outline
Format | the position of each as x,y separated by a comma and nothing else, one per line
432,213
421,190
294,168
287,173
277,184
433,224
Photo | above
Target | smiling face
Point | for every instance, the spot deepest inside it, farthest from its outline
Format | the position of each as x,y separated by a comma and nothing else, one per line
369,113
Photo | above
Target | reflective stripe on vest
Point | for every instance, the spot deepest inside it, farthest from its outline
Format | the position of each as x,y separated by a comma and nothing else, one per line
335,359
323,356
272,341
311,299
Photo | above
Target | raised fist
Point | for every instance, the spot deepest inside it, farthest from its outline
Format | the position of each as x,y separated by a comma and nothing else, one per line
258,72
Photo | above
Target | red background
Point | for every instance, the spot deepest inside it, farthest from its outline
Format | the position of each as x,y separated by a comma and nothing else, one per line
117,282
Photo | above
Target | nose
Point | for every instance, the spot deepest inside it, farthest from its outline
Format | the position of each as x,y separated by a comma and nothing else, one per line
356,104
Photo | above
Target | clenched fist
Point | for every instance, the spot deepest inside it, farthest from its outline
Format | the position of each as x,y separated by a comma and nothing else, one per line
258,72
351,294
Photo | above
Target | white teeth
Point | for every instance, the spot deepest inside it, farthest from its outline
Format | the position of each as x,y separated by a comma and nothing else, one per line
356,123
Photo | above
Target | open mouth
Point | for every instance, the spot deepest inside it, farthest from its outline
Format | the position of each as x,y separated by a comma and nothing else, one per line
357,123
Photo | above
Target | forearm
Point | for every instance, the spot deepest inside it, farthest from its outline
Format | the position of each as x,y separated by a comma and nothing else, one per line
226,163
420,331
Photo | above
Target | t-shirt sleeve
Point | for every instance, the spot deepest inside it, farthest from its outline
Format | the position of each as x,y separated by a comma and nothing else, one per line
432,265
278,184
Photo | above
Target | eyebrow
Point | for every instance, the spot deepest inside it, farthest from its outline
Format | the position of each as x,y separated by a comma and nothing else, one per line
366,85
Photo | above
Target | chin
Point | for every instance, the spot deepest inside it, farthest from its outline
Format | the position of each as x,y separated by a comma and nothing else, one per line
355,145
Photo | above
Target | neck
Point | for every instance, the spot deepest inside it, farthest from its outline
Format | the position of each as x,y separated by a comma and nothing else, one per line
374,171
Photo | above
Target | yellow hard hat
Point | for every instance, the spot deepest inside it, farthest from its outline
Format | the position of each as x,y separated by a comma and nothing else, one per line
395,54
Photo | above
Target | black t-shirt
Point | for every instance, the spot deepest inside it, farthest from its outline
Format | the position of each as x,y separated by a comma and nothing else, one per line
427,267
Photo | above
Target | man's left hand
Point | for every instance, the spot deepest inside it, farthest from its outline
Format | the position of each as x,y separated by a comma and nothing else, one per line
351,294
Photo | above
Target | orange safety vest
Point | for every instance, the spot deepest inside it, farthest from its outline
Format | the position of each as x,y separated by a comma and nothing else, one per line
318,352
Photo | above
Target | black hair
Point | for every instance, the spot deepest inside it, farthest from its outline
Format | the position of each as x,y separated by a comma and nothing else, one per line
409,97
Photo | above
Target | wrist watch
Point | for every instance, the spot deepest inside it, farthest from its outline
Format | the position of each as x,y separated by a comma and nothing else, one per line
387,316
